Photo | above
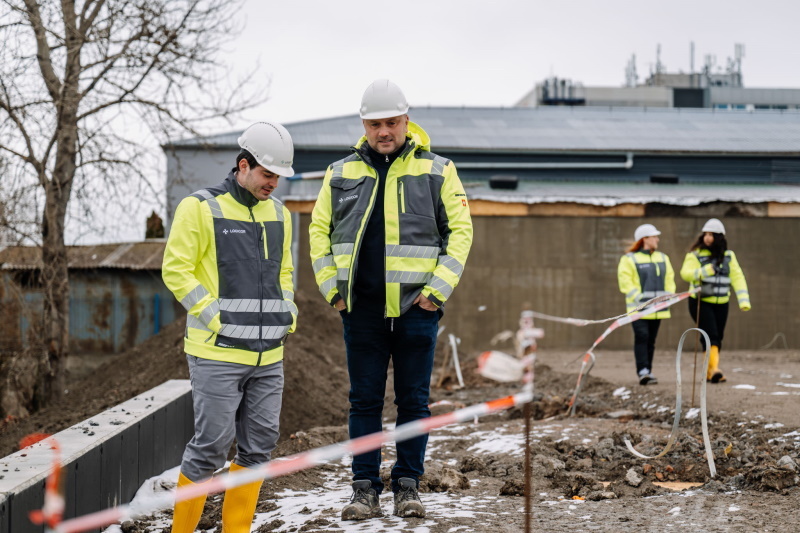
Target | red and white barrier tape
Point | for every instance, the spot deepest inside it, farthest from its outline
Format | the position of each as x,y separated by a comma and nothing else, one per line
289,465
54,503
583,322
663,302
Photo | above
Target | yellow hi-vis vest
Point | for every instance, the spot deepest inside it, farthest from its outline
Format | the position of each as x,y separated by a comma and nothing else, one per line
715,284
643,276
228,261
427,225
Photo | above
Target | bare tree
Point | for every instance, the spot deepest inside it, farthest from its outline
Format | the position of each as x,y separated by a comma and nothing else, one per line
79,83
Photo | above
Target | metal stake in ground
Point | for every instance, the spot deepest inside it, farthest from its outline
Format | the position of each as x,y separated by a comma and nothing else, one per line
526,410
526,350
696,340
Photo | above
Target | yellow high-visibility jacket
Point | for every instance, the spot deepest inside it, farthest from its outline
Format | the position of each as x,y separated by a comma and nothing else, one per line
715,284
427,225
643,276
228,261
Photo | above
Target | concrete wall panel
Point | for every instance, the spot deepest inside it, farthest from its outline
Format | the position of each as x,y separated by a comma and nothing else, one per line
567,266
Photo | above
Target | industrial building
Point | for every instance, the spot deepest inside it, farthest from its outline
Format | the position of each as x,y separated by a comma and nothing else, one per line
708,87
117,298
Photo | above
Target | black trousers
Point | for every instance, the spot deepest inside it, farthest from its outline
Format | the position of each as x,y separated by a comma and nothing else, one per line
713,318
644,343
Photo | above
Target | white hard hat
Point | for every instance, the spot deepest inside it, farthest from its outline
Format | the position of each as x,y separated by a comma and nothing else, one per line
714,225
383,99
271,145
645,230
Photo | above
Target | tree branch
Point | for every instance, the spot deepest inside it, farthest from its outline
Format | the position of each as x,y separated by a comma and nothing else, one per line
51,80
145,75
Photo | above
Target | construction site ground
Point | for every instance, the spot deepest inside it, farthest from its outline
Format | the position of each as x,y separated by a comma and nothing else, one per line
584,478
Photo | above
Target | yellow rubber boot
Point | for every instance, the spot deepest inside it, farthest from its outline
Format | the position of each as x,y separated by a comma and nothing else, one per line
714,374
187,513
239,505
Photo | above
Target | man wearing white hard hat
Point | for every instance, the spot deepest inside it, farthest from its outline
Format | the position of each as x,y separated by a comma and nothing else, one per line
643,274
390,234
715,269
228,261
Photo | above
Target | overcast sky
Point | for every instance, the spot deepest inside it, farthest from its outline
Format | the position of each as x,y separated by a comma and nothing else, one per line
320,55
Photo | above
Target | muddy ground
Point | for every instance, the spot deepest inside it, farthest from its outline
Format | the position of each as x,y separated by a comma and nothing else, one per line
584,478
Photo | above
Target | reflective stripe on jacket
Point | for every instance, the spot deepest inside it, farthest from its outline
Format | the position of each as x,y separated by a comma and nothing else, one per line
427,225
228,261
715,284
643,276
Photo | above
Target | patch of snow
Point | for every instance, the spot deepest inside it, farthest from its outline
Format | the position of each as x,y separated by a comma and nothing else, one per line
773,426
744,386
790,385
674,511
779,393
785,376
692,413
491,442
624,392
144,497
733,508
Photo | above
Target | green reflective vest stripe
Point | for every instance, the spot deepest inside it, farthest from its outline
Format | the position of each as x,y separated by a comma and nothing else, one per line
428,228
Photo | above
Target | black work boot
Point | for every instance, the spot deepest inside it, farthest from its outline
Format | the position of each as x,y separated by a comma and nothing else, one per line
406,499
364,502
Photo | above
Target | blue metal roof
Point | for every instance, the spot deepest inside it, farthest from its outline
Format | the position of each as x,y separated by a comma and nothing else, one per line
566,129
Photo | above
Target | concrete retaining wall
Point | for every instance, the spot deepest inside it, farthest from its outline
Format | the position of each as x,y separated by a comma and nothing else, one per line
106,458
567,266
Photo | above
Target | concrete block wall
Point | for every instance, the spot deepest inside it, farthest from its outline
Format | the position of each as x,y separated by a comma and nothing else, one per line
105,458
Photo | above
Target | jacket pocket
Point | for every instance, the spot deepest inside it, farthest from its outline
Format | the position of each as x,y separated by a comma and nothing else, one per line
349,197
345,184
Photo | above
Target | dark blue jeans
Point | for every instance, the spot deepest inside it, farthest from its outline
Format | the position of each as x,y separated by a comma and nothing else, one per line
409,341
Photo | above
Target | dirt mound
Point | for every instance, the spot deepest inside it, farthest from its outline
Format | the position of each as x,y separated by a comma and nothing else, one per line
315,391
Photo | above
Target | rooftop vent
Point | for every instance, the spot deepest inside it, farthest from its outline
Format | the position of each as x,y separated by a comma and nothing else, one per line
663,178
503,182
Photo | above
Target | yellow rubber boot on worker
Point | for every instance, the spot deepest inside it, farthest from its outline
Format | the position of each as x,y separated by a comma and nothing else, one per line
187,513
714,374
239,505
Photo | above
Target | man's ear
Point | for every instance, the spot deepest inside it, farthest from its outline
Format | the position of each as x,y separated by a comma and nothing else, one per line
243,165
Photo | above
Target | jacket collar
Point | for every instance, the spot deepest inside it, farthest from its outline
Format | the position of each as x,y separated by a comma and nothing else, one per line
239,193
416,139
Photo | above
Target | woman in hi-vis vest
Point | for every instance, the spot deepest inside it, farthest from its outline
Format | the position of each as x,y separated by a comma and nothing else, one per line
710,265
643,274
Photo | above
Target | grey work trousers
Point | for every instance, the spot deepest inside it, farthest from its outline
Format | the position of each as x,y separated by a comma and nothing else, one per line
232,400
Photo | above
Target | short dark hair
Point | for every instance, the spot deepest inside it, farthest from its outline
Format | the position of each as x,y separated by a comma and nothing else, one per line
247,156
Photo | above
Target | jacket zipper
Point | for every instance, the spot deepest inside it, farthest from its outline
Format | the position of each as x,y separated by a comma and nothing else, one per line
264,237
402,198
260,286
357,247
